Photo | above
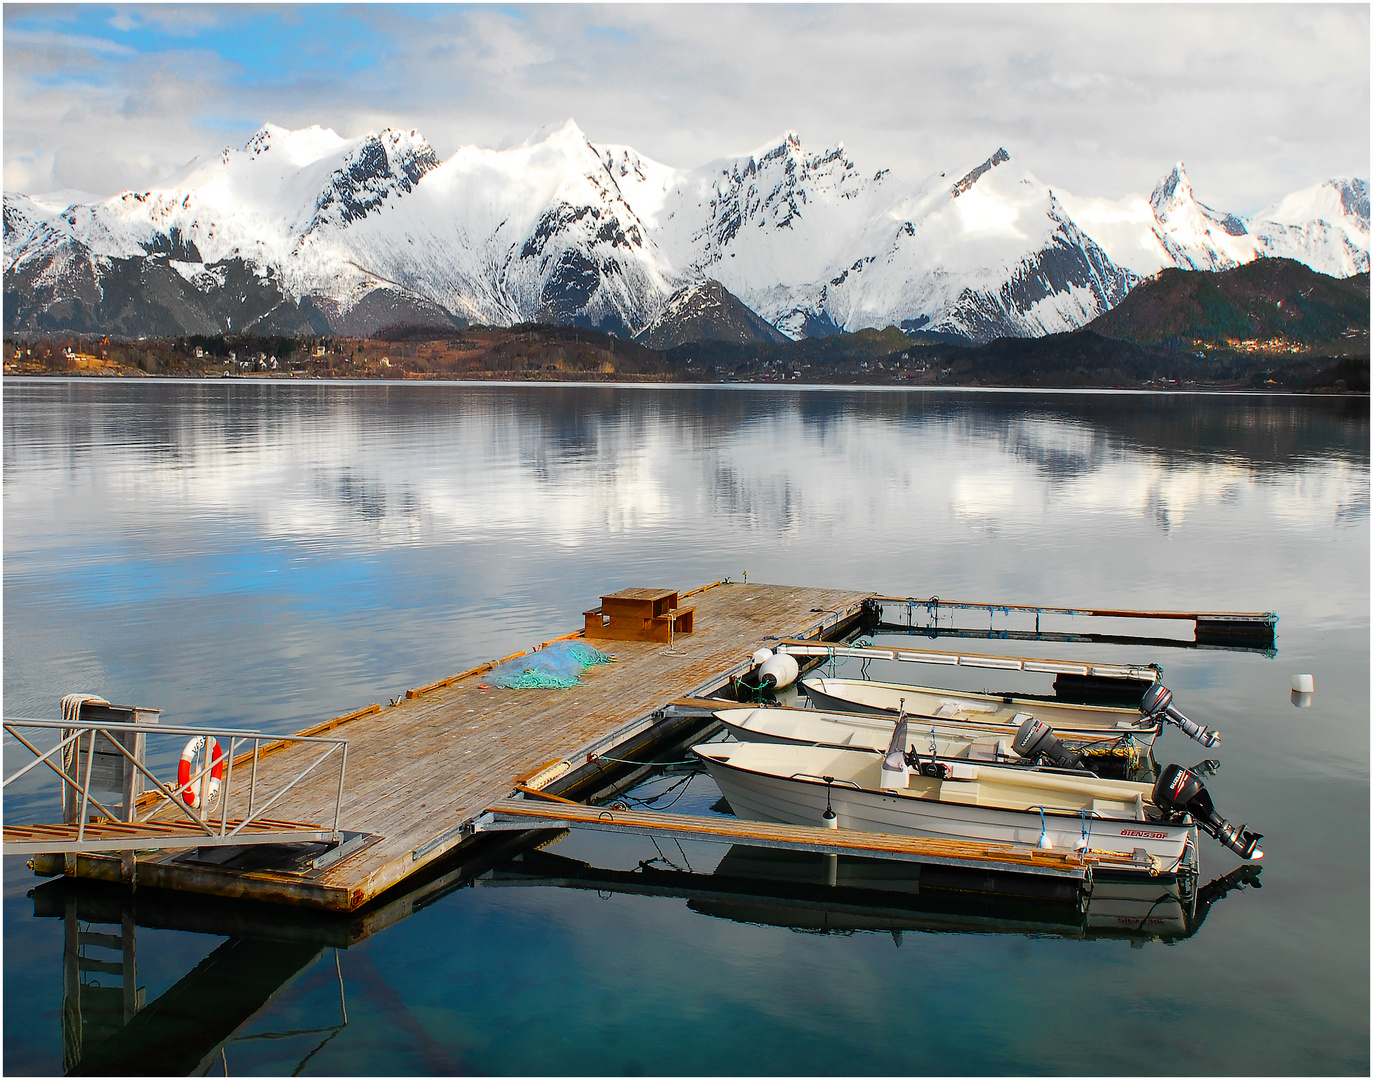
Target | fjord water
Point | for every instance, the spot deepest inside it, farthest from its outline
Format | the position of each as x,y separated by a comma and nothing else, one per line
268,555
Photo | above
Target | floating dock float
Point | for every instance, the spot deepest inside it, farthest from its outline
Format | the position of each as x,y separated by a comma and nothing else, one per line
1228,629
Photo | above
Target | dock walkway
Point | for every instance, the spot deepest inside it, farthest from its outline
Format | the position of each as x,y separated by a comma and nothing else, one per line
419,773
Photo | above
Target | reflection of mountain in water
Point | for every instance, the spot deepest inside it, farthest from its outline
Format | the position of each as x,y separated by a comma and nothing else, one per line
387,460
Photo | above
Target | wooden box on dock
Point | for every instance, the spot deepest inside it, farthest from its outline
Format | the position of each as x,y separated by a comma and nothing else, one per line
639,615
113,778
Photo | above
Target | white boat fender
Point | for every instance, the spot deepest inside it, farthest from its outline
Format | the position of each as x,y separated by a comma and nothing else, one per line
762,656
184,771
1180,790
1157,704
778,671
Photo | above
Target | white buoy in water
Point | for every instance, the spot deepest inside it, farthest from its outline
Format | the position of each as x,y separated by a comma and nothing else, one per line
762,656
1304,684
1300,700
781,668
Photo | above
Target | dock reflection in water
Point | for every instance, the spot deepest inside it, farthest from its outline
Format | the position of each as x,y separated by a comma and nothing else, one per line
110,1028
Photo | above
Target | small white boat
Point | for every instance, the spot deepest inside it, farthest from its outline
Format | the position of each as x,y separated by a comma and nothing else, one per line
965,800
998,804
932,703
991,743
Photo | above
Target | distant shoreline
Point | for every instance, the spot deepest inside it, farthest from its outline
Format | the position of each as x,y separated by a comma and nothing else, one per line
633,383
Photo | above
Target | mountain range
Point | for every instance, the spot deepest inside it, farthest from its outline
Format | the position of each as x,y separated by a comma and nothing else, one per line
305,232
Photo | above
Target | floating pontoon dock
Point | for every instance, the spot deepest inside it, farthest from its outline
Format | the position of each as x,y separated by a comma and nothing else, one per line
395,788
421,772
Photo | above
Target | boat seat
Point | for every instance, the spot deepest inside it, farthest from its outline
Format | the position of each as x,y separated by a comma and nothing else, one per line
959,791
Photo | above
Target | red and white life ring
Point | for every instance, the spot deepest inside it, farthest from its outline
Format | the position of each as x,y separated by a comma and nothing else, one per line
184,771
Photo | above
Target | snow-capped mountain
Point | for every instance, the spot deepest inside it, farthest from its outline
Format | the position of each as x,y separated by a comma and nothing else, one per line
989,254
1325,227
308,232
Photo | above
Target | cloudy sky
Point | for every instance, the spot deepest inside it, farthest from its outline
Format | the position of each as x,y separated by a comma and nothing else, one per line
1257,100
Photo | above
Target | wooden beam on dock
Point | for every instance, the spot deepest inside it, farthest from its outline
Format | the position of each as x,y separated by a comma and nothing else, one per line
507,814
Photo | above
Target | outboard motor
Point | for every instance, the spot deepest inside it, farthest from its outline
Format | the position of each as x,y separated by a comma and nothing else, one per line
1181,790
1158,702
1035,737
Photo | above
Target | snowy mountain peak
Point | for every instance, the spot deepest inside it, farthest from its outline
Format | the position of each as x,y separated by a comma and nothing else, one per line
565,133
1173,190
788,145
973,175
298,148
376,166
1325,226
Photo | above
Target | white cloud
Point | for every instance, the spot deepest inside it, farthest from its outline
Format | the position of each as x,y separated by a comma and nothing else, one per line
1259,100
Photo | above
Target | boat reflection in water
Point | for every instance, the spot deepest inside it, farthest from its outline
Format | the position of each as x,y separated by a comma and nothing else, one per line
819,893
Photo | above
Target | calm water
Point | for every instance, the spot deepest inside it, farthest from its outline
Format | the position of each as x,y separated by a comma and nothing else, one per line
270,555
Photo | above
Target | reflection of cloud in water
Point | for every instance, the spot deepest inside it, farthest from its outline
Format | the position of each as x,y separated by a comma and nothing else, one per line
573,466
1060,449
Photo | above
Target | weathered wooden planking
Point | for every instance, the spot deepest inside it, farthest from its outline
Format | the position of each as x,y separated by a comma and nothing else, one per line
418,771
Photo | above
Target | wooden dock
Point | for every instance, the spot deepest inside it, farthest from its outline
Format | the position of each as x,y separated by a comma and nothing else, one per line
421,772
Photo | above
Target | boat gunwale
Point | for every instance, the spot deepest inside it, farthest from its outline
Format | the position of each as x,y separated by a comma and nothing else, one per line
947,725
979,695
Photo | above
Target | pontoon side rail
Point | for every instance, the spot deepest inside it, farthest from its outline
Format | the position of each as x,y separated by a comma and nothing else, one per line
1141,672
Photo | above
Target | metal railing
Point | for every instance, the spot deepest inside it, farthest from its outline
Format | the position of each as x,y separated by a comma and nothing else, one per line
139,810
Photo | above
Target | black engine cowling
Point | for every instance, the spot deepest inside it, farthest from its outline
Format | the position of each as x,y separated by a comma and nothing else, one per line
1158,702
1181,791
1035,737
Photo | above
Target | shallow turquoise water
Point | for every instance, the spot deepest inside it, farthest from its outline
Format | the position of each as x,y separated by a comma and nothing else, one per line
269,555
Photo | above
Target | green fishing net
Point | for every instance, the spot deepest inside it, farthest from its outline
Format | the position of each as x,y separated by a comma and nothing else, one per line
554,667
